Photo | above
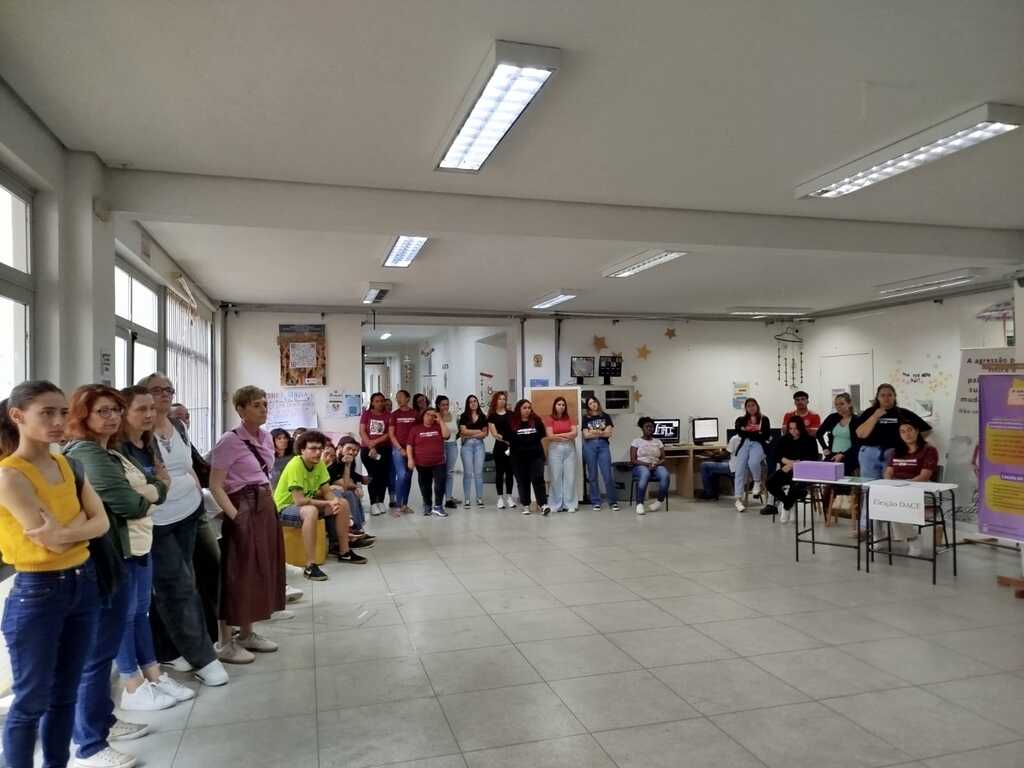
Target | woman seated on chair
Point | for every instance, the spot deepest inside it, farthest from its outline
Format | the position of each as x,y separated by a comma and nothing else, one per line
795,445
839,441
646,454
754,430
915,460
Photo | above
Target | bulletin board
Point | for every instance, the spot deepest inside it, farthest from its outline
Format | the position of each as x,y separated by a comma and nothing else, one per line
544,397
303,350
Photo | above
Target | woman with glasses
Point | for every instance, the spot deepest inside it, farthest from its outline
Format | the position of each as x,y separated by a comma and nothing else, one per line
175,523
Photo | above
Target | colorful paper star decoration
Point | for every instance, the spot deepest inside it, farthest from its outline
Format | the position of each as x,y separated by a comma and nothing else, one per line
670,333
599,343
637,395
643,352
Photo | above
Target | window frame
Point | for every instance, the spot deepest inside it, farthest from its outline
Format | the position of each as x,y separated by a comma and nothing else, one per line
17,285
135,333
209,419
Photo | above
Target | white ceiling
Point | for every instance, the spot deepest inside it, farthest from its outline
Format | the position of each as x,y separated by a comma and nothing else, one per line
704,104
510,273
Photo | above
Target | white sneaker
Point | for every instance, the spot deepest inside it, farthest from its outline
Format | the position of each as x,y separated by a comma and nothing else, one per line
526,510
914,548
257,643
282,615
106,758
148,697
480,503
291,595
783,516
179,665
655,506
233,653
640,509
377,509
173,688
213,674
122,730
739,505
510,502
501,502
756,490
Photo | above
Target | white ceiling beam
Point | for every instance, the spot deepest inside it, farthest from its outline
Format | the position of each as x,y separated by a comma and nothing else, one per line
154,196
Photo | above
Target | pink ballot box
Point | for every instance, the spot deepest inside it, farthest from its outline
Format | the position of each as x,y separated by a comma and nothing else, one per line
812,471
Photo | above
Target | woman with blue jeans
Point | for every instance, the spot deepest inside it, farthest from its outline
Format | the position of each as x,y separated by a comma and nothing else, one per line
646,454
598,429
401,420
51,613
562,457
878,431
473,428
451,448
754,430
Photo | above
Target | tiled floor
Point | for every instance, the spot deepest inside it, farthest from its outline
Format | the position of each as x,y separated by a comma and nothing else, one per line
684,638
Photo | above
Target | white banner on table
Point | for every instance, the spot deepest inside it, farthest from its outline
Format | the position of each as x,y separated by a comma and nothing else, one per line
896,503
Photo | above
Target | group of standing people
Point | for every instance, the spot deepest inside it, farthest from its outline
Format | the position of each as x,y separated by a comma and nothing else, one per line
110,527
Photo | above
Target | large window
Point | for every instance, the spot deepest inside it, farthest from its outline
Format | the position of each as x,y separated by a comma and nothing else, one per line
189,340
137,309
16,289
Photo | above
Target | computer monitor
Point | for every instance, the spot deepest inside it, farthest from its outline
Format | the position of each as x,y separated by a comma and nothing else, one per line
667,430
609,366
581,367
705,429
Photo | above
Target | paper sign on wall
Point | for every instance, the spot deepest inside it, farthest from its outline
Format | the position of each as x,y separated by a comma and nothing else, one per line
897,502
290,409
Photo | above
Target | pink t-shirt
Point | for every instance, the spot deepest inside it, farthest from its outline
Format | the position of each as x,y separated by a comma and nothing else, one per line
403,421
376,424
558,426
231,454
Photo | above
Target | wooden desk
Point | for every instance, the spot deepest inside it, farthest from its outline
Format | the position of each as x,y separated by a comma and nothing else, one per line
685,456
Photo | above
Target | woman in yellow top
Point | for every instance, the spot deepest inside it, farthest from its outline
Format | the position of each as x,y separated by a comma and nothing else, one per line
51,613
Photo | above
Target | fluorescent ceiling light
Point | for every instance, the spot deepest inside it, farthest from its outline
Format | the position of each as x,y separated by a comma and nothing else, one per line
385,336
554,298
404,250
930,282
760,312
642,261
948,137
509,79
374,293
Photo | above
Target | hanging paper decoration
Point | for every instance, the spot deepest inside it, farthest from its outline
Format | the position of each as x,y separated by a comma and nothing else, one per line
670,333
789,352
637,394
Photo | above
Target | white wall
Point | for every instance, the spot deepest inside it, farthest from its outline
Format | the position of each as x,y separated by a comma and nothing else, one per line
693,373
252,358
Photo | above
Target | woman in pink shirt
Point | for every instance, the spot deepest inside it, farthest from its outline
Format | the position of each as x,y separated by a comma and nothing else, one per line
562,461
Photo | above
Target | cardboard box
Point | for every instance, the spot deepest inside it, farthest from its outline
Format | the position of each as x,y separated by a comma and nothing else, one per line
811,471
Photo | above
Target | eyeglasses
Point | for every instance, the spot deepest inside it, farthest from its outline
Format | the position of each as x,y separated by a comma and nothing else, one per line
106,413
161,391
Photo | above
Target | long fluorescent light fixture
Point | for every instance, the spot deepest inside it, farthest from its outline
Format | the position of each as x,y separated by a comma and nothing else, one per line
642,261
758,312
948,137
554,298
405,249
928,283
511,76
375,292
385,336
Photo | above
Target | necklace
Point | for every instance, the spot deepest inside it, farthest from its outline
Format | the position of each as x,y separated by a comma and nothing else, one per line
166,443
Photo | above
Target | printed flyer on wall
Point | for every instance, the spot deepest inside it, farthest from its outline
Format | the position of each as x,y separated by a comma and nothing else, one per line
1001,460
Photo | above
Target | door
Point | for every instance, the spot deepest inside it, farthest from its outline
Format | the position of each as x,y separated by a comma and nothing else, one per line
854,374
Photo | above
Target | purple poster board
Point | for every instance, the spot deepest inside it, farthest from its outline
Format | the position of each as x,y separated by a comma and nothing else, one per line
1001,455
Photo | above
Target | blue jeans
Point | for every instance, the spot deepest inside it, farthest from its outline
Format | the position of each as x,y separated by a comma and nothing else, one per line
94,711
749,459
709,473
473,467
872,464
49,624
451,457
355,508
597,456
402,478
562,464
642,475
136,650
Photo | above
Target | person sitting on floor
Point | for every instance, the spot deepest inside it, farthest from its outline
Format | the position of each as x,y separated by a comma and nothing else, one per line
795,445
303,496
718,464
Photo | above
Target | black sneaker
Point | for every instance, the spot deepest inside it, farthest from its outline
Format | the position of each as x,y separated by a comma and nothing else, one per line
351,557
362,543
452,504
769,509
313,573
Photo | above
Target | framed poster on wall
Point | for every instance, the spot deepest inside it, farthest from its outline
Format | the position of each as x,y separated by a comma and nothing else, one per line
303,351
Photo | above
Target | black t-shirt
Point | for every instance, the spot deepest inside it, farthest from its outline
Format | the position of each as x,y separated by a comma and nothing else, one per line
480,422
886,433
798,448
500,422
599,421
336,471
525,437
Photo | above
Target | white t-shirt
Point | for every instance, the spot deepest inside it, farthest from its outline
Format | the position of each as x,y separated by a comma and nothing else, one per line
183,496
648,451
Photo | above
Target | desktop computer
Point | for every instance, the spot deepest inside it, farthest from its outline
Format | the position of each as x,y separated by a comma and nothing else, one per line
704,429
667,430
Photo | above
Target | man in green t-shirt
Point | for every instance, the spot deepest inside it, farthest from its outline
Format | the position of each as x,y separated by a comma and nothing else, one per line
303,495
